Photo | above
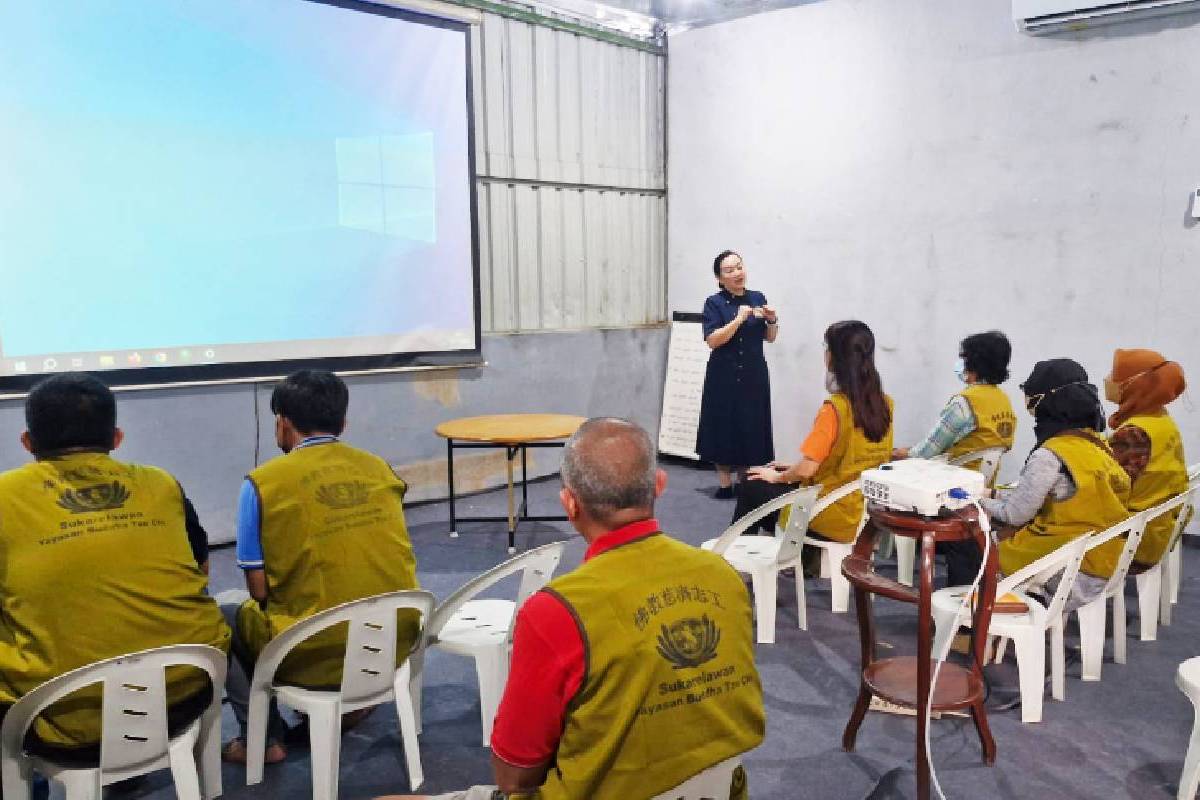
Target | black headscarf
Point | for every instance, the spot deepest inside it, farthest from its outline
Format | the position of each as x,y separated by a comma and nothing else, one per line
1067,400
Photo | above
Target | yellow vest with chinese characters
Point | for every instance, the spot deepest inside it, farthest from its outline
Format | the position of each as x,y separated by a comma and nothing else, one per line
852,453
1164,477
95,563
332,531
1100,501
995,422
670,687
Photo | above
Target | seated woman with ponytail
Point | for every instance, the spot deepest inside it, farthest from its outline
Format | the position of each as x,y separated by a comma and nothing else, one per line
1071,484
1146,441
852,432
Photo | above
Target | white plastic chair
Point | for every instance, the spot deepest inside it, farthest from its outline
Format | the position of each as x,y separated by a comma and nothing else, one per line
1153,585
764,557
1093,616
369,677
1027,630
1187,678
711,784
1173,563
906,547
134,739
482,628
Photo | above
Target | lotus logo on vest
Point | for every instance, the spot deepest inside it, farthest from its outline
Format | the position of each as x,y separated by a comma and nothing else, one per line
689,642
1004,428
101,497
346,494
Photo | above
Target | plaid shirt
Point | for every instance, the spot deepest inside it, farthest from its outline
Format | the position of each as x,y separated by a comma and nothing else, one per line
955,422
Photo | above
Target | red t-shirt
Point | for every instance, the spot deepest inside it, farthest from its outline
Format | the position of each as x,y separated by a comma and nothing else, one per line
547,668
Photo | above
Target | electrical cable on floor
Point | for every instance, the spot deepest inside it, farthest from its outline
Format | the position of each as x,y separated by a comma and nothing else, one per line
986,526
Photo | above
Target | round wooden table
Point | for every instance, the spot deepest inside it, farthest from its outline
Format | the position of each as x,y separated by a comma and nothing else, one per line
516,433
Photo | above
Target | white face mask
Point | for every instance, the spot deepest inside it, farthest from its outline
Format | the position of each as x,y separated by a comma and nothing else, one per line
831,384
960,369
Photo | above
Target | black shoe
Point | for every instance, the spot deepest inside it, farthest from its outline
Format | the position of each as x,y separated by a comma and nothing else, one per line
724,493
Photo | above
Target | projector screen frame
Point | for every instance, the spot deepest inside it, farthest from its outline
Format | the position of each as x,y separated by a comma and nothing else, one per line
149,378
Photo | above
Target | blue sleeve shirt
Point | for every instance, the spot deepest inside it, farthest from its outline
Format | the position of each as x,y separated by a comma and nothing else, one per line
249,528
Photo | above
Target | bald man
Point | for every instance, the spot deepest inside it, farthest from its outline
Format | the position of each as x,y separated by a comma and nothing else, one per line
634,672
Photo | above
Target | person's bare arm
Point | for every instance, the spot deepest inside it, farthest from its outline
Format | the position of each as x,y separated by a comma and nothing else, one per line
772,321
256,583
512,780
794,473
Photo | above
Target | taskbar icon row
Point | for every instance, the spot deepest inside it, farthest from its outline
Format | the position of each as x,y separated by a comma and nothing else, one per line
120,360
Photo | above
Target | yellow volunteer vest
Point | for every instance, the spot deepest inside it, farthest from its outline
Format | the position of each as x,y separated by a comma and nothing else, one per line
670,687
95,563
332,531
1100,501
852,453
1164,477
995,422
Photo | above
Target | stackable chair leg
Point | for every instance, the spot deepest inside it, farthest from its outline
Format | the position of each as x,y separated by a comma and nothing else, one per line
491,665
183,769
1031,669
839,586
801,600
1120,635
1176,557
325,745
406,713
207,752
1091,637
1149,591
765,592
906,552
1058,661
416,665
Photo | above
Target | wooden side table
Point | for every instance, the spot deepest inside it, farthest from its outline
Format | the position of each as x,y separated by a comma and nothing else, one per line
905,680
516,433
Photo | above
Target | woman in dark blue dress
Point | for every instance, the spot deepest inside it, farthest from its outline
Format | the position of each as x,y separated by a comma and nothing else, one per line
735,409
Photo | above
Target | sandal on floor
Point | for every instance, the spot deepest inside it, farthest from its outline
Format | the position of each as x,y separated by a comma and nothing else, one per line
234,752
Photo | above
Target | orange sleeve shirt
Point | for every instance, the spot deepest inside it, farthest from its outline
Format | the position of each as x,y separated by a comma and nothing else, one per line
821,438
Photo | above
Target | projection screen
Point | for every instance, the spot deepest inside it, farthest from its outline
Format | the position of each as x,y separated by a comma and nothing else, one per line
207,190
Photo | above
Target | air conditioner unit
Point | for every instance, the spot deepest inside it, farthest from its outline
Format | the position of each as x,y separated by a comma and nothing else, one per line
1053,16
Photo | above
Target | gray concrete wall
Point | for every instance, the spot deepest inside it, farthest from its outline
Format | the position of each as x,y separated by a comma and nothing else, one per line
924,167
207,437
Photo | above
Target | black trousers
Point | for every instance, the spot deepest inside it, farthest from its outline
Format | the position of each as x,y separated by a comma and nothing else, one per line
963,560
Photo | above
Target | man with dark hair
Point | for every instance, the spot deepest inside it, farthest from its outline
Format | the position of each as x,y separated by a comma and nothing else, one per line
94,563
319,526
634,672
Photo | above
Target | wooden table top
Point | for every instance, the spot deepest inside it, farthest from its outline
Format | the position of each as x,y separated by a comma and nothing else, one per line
510,428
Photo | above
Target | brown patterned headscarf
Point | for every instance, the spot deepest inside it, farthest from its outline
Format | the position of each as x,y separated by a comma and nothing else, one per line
1142,382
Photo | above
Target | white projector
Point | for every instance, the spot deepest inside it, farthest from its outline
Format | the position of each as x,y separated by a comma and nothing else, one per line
922,486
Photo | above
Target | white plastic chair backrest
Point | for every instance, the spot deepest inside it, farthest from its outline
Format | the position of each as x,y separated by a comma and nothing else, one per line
1065,560
711,784
805,496
1132,529
1194,472
133,737
989,461
1185,514
536,566
369,666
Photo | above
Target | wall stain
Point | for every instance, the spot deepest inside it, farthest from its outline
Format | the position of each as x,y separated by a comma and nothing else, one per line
473,472
1111,125
443,391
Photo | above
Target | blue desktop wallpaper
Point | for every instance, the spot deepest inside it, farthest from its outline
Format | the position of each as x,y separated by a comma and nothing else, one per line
228,171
